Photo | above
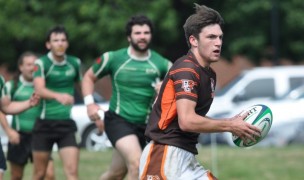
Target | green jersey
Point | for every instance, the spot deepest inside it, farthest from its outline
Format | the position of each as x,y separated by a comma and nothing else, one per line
21,91
59,77
2,81
133,81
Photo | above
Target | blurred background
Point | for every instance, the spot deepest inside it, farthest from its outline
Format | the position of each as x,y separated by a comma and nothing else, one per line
256,34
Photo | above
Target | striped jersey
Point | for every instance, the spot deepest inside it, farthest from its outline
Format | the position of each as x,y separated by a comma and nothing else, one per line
185,80
22,91
133,81
59,77
2,82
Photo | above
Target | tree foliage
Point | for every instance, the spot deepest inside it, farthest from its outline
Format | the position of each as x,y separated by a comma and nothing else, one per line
257,29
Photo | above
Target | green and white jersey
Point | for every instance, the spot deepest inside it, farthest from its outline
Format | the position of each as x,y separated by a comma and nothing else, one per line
133,81
22,91
2,82
59,77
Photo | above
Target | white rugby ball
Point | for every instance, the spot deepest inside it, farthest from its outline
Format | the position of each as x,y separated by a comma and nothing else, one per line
259,116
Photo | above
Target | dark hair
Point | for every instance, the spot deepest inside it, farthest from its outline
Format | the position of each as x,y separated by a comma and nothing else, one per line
58,30
138,20
203,17
23,55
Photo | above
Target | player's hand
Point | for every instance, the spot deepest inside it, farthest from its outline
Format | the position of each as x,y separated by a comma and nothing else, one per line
65,99
243,129
92,110
13,136
34,100
100,125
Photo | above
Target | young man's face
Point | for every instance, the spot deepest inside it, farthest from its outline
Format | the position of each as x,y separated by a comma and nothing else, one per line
210,42
140,37
27,67
58,44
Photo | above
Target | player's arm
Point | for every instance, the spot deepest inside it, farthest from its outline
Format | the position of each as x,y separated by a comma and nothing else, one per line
190,121
45,93
87,87
13,135
14,107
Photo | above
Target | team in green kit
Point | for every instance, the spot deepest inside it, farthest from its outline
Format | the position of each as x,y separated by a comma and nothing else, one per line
42,98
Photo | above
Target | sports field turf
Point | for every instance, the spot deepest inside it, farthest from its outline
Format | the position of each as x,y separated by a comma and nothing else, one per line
232,163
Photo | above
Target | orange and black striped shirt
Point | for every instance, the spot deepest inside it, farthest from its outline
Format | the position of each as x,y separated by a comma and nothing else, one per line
186,79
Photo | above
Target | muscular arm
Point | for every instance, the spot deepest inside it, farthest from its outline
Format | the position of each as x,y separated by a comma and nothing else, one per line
87,88
192,122
11,107
45,93
42,91
87,85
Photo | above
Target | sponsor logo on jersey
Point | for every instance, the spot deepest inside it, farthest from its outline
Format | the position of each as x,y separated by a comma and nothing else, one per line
153,177
187,85
212,83
151,71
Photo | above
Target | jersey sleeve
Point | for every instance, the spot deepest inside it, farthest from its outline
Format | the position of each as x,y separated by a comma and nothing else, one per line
79,76
8,89
101,66
38,69
186,82
165,70
2,82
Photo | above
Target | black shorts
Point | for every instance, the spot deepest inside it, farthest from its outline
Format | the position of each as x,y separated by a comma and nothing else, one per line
48,132
2,159
22,152
117,127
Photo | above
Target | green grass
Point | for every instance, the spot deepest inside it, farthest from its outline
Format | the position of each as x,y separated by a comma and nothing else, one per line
232,163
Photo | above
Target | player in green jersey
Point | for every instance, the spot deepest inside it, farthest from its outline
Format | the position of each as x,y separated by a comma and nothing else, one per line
135,72
19,91
55,77
2,118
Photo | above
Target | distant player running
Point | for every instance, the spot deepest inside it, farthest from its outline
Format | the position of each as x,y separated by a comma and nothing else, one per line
135,72
55,77
2,118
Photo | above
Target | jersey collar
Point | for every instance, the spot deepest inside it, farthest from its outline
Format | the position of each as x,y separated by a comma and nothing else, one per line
139,58
51,57
25,82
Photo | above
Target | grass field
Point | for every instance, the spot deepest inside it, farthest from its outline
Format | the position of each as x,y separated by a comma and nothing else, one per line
232,163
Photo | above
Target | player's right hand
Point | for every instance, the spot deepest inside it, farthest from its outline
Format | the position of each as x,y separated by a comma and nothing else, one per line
92,110
243,129
100,125
13,136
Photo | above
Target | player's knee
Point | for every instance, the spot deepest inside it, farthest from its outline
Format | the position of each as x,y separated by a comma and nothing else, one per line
133,167
117,175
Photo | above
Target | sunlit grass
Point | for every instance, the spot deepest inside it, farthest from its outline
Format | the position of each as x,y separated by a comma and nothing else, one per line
229,163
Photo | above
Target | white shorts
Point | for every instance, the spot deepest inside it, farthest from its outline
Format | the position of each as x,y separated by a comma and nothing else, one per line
160,162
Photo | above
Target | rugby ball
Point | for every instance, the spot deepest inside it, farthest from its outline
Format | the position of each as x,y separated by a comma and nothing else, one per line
259,116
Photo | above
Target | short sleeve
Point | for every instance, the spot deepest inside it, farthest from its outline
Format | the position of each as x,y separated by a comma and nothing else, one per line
101,66
38,69
186,82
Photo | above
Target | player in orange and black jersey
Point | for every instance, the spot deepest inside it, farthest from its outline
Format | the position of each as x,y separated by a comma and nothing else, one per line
179,113
186,79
